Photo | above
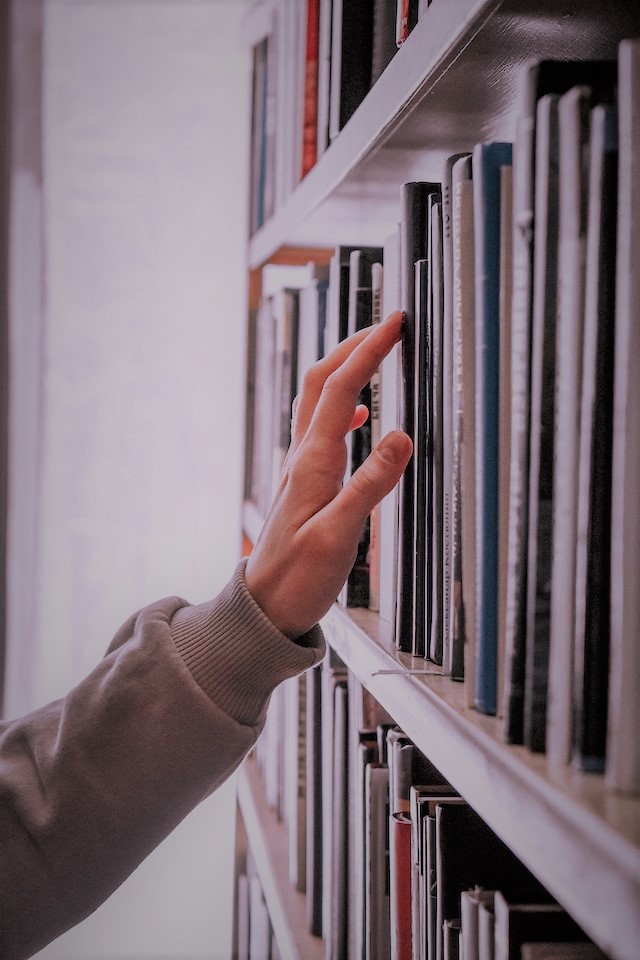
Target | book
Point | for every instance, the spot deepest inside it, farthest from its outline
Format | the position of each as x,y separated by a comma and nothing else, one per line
377,942
459,650
359,315
338,933
334,675
504,427
487,161
314,799
517,923
623,752
400,885
593,522
406,19
435,538
422,471
351,54
486,923
310,95
295,778
375,416
437,654
470,902
384,36
573,118
325,18
541,464
413,247
389,417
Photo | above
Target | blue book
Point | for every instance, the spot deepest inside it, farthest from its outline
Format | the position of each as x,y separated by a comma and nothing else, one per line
488,158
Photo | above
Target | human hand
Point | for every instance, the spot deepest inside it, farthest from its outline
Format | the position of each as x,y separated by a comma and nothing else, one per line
309,540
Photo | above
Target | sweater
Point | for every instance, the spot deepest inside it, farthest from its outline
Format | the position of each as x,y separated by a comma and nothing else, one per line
90,784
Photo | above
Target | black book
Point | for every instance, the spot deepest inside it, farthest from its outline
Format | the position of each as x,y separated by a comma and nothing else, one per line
595,450
413,247
469,854
314,801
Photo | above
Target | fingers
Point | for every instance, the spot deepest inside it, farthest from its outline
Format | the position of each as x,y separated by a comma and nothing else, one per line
347,368
372,481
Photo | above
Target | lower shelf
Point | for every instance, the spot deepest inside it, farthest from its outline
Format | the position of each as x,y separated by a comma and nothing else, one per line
268,842
582,842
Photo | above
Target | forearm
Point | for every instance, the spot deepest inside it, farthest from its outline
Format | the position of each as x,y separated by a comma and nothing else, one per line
92,783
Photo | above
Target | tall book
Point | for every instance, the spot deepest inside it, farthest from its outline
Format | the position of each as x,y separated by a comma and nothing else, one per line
389,414
377,943
504,439
459,649
324,75
593,555
422,472
541,429
488,159
435,544
314,800
413,247
623,749
360,315
573,117
437,653
375,414
351,52
384,37
310,94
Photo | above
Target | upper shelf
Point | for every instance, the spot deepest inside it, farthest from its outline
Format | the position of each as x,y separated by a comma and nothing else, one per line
453,83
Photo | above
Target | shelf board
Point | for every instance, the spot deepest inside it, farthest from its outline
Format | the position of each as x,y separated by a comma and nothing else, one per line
580,840
267,838
428,103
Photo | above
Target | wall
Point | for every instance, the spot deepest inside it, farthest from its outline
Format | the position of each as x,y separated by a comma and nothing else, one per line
138,464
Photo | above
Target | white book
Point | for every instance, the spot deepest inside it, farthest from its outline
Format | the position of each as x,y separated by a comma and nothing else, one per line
623,745
324,74
573,118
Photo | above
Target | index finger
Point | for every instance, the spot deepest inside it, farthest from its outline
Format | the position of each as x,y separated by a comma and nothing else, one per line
334,411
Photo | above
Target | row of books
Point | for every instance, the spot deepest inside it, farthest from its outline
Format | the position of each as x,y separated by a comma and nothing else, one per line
394,863
509,553
313,64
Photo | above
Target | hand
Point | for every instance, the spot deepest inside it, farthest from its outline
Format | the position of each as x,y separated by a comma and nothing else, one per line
309,541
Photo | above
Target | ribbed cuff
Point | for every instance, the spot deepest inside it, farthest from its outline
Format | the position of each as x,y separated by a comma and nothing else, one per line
235,653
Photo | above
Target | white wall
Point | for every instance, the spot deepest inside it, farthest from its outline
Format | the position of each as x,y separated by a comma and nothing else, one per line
139,479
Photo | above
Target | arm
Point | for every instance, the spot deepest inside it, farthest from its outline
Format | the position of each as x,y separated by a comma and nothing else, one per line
89,785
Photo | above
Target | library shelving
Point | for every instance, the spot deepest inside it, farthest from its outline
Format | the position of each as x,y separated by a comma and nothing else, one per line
452,83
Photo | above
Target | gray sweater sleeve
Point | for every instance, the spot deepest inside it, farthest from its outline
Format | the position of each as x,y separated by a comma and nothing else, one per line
90,784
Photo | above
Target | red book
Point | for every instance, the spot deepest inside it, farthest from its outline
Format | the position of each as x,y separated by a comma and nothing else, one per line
310,115
400,885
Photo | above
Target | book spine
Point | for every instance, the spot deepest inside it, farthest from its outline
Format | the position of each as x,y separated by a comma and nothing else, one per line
487,160
623,753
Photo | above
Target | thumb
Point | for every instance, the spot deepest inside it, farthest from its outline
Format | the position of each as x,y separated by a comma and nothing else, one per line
373,479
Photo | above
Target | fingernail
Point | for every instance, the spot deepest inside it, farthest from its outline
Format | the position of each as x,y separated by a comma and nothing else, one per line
393,449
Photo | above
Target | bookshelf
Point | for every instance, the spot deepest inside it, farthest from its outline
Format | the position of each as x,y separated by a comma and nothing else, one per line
453,83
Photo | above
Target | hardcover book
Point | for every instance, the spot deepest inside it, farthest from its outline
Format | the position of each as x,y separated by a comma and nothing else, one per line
487,161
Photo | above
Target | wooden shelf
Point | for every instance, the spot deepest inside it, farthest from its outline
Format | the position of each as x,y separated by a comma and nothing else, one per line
268,842
581,841
428,103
